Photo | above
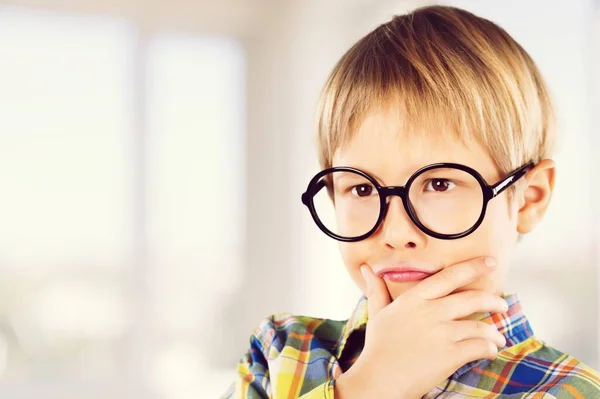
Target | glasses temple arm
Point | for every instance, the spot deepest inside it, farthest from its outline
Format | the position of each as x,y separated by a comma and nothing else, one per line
318,187
511,179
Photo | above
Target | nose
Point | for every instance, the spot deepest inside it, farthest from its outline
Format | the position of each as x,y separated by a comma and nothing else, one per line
398,230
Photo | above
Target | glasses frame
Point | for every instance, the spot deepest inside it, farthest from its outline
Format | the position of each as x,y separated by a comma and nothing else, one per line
489,192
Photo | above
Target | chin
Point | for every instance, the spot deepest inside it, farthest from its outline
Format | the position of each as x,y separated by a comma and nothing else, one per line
397,289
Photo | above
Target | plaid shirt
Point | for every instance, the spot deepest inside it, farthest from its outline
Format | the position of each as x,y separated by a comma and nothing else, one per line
300,356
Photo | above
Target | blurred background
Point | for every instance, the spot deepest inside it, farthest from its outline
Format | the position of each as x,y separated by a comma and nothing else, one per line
152,157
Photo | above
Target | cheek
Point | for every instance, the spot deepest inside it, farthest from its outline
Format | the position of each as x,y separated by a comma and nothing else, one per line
496,237
499,227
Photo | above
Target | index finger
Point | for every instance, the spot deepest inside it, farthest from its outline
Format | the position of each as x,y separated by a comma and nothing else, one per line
451,278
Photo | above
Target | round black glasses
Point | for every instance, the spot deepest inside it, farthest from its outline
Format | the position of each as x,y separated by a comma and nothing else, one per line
444,200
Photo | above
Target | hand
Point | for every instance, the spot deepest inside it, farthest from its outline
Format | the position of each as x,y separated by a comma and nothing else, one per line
418,340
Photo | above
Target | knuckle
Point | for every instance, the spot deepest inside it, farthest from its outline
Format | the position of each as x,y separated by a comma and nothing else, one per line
492,349
502,339
482,326
503,304
487,299
477,268
448,277
490,300
473,295
421,292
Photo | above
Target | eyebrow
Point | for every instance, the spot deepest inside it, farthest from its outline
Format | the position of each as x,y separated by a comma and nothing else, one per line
370,173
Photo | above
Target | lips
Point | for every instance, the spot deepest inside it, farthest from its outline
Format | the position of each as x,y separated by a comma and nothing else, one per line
404,268
400,277
405,272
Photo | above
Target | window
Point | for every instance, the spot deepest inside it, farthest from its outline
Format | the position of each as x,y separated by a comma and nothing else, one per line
121,205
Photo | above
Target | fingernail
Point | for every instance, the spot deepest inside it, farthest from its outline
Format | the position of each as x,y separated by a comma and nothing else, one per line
490,262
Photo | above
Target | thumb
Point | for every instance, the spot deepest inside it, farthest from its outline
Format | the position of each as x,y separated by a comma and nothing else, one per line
378,296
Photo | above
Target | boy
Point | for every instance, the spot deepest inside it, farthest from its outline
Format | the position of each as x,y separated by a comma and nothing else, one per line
435,137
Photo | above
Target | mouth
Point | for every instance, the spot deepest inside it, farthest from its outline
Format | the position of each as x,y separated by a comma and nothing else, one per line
400,274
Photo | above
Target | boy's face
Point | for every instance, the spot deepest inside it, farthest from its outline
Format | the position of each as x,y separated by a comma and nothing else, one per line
380,149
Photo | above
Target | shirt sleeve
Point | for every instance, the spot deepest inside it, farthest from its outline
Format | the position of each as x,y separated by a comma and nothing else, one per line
252,375
241,388
323,391
253,378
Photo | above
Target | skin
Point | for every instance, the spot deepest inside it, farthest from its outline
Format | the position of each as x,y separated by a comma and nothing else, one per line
380,149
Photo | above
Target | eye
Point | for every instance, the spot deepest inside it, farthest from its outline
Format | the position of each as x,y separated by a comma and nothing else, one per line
440,185
363,190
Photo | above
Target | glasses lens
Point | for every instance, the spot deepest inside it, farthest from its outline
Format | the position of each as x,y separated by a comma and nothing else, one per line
446,200
347,204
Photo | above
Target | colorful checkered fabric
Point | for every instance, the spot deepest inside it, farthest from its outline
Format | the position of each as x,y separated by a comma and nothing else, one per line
300,357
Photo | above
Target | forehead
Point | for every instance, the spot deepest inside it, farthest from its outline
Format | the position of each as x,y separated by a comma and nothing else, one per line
382,147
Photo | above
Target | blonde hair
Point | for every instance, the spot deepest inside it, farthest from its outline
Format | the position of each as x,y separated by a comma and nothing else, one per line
442,67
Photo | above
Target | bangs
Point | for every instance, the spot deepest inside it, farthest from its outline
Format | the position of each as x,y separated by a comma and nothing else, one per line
420,109
444,77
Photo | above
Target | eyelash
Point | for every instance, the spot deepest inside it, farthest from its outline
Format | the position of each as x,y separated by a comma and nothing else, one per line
352,189
452,182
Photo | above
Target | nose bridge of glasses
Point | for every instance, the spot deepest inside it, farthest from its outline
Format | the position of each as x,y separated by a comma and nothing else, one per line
387,192
395,216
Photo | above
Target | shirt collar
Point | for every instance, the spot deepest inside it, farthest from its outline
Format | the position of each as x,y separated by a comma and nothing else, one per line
513,325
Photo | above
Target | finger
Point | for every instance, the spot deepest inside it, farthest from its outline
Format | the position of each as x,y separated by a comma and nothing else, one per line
471,329
465,303
451,278
476,349
378,296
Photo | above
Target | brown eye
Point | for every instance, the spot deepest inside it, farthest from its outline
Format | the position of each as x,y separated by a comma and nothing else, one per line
363,190
440,185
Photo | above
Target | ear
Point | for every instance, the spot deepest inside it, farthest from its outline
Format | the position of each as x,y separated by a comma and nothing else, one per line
535,196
